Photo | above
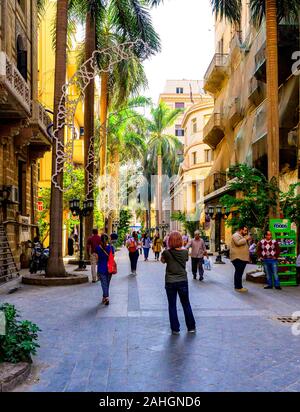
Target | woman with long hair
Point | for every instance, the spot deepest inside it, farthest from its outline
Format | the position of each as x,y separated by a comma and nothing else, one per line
132,246
103,251
177,283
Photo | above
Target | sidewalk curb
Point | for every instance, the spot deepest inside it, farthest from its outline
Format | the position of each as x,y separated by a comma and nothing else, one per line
12,375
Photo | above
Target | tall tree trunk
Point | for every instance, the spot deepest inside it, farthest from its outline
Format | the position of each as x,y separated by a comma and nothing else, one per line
272,95
103,122
89,99
115,175
103,133
159,188
55,267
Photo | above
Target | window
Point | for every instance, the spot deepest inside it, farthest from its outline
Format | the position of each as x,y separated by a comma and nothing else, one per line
21,57
179,90
179,105
179,132
81,131
194,158
194,125
207,155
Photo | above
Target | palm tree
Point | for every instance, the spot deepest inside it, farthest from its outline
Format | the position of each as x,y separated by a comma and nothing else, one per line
126,134
127,20
55,267
163,146
272,11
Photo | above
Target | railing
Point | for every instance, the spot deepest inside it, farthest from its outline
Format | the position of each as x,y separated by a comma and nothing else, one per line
14,81
219,60
216,120
219,180
41,117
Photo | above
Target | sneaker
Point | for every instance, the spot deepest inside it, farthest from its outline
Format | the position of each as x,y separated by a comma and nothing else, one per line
192,331
242,290
195,277
278,287
175,332
268,287
201,278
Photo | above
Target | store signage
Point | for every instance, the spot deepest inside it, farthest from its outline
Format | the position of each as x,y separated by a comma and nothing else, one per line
280,225
40,206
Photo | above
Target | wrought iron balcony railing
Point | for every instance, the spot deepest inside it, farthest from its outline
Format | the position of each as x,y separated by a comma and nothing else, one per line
14,84
216,73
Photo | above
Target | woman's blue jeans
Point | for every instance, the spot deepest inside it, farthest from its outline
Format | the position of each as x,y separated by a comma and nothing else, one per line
271,269
180,288
105,282
146,252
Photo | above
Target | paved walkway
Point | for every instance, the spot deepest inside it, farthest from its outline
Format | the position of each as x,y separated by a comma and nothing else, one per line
127,346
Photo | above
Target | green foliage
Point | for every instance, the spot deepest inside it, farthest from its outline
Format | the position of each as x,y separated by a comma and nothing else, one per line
124,225
43,221
255,197
290,203
20,341
190,223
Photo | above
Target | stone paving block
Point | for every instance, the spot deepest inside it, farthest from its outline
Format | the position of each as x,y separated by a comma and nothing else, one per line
128,345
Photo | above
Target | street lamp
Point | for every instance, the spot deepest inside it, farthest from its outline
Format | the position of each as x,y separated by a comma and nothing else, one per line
86,210
216,212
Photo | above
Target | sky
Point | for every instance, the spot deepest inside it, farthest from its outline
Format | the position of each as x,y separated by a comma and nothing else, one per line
186,29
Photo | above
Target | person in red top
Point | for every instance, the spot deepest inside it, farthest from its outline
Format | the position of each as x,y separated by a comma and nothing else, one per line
268,251
92,243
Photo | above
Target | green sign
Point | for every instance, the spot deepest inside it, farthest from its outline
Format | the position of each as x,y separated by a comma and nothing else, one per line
280,225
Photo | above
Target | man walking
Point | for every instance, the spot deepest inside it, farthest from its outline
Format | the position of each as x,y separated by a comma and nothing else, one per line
268,251
239,255
92,243
198,252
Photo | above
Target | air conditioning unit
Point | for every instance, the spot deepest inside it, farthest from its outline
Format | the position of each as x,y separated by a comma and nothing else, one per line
14,196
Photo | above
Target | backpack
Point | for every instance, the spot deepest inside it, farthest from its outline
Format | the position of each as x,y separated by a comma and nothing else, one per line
132,246
111,263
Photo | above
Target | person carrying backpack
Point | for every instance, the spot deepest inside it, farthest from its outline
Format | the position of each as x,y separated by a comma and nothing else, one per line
132,246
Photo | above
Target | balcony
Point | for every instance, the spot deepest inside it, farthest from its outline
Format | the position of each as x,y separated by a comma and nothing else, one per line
257,91
214,130
40,122
235,112
14,91
213,183
216,73
288,43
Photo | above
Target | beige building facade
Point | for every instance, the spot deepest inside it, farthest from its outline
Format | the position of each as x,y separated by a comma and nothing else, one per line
237,129
187,192
181,94
23,128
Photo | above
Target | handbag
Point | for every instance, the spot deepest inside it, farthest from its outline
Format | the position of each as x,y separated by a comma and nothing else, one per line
111,263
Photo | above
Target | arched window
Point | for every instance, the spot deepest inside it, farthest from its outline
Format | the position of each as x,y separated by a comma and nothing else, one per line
21,57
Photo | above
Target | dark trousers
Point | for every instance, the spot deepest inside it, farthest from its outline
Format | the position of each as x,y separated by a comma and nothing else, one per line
105,282
134,256
197,264
180,288
157,255
239,266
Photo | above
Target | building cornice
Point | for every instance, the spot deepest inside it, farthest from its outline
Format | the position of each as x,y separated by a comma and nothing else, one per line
208,103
